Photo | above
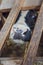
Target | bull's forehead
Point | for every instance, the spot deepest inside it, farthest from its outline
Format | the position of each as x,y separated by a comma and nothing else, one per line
24,13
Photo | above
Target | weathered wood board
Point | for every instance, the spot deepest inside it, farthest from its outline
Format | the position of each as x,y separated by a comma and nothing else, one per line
38,61
32,3
34,43
6,5
9,22
10,61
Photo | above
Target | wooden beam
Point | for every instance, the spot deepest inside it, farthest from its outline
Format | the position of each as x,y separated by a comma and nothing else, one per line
10,61
38,59
4,18
11,58
22,8
5,10
6,5
34,43
30,7
9,22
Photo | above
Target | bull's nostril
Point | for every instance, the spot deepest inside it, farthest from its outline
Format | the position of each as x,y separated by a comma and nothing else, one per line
24,33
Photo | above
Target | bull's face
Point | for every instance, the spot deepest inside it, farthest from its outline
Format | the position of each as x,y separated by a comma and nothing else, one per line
20,32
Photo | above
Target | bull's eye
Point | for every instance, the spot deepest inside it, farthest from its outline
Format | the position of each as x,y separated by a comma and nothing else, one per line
14,27
19,30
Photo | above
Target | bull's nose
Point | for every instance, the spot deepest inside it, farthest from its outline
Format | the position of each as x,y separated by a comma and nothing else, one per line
17,36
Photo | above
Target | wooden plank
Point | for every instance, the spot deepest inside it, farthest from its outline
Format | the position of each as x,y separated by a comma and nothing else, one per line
9,61
32,3
4,18
38,59
34,43
6,5
17,61
30,7
22,8
11,58
9,22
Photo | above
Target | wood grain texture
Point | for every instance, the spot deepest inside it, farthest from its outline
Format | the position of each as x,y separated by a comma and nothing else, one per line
10,61
30,7
38,59
9,22
32,3
6,5
34,43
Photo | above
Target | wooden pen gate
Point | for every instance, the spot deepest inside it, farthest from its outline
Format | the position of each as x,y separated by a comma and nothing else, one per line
33,54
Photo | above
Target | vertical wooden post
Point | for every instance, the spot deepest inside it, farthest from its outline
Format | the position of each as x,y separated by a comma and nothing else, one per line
34,43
